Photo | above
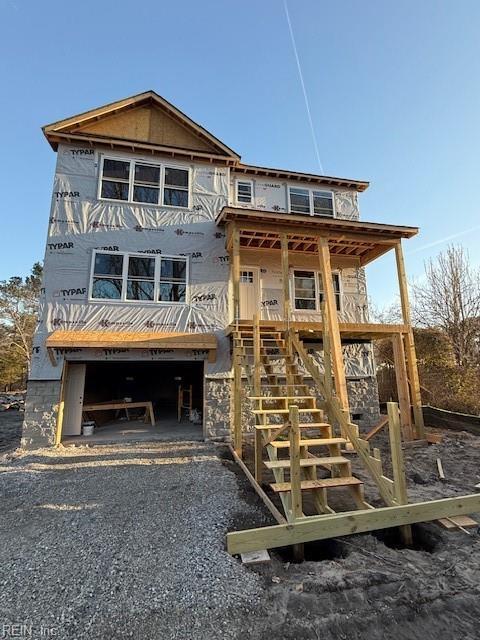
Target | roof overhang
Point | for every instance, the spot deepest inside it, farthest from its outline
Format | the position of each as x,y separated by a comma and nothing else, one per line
63,339
357,241
284,174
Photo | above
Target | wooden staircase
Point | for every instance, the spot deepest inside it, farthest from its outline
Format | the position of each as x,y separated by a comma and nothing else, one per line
276,384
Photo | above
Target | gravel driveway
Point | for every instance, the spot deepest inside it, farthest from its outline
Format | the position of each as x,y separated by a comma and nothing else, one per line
114,542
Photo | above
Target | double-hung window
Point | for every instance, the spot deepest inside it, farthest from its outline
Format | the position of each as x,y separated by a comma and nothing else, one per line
244,191
144,182
309,292
311,201
136,277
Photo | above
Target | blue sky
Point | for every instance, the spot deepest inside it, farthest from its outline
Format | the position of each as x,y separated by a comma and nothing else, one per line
393,90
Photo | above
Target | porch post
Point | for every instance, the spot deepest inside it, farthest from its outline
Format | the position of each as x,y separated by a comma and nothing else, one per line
237,367
236,273
332,320
402,386
416,397
287,307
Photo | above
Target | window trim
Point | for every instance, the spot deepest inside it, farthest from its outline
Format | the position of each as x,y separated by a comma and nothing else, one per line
237,182
310,201
131,181
138,254
317,274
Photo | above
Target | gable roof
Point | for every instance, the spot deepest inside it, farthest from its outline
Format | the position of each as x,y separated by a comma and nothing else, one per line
145,120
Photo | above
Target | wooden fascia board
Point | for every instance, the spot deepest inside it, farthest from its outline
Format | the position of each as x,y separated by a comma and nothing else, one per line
337,260
357,185
132,145
322,527
255,216
99,339
314,232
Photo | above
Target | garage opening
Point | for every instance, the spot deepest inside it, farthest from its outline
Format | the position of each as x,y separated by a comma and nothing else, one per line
121,400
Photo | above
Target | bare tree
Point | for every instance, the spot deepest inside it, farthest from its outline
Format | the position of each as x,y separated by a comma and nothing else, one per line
18,316
450,300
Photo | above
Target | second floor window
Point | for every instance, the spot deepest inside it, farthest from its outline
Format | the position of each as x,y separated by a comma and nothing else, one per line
311,201
143,182
309,292
244,191
136,277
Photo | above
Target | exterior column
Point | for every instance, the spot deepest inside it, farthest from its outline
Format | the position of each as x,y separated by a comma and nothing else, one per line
332,319
236,273
237,368
287,305
412,369
402,386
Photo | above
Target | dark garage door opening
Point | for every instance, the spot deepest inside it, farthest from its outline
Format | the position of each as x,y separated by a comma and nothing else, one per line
155,382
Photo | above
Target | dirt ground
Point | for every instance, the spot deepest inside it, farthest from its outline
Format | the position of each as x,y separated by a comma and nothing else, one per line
112,542
10,430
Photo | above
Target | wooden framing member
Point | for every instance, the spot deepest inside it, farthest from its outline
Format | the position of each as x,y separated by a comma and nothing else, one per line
332,319
416,397
398,467
237,368
61,405
287,308
347,523
402,386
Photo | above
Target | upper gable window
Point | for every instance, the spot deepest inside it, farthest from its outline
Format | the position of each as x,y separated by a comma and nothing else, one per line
311,201
244,191
144,182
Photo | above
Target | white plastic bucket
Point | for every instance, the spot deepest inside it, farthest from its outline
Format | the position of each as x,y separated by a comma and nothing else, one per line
88,428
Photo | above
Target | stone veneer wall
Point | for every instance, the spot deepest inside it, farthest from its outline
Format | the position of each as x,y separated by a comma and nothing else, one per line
41,411
218,408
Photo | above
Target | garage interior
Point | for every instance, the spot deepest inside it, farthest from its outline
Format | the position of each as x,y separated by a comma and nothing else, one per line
131,382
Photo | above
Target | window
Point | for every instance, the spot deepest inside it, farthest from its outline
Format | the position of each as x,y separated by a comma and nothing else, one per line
175,192
141,278
308,290
146,184
305,290
138,181
137,277
115,179
107,276
319,203
244,191
173,278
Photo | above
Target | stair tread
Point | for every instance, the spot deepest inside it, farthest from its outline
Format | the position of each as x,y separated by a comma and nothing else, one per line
306,462
303,425
326,483
309,442
301,410
282,397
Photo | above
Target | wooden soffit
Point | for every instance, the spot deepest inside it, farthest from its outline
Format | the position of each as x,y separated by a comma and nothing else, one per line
64,339
144,119
358,241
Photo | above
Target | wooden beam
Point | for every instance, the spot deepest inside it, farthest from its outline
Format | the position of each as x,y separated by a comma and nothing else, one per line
236,273
285,278
348,523
398,467
295,477
333,328
61,405
402,386
416,397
